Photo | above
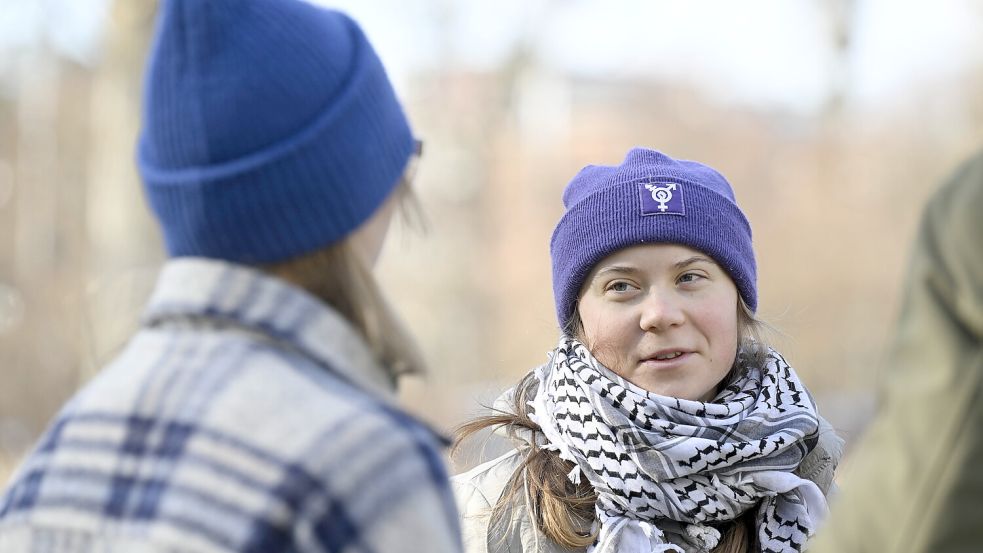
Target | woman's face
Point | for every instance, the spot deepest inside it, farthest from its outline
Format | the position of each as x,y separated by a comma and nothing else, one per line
662,316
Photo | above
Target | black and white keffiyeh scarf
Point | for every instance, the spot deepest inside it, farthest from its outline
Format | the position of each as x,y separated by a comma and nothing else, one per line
666,469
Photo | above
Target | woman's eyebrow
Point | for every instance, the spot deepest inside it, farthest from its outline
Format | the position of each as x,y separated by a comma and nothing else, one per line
623,269
692,260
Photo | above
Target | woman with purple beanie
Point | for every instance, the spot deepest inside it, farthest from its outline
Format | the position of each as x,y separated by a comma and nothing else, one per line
660,421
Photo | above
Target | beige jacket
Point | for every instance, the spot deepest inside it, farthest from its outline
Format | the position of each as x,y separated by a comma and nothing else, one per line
478,490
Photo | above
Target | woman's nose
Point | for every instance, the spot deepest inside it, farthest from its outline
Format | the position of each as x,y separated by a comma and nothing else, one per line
660,311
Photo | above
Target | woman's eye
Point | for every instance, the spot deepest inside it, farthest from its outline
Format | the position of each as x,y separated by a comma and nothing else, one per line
619,286
689,277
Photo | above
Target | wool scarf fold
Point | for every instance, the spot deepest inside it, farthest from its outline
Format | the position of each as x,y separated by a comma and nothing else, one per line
668,470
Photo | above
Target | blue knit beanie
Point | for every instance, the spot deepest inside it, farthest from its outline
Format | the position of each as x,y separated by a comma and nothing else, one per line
270,129
649,198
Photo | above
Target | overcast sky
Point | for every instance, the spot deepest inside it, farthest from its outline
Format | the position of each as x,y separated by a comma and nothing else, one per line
759,51
765,52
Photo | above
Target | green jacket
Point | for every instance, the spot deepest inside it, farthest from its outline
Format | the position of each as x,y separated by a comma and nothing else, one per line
916,482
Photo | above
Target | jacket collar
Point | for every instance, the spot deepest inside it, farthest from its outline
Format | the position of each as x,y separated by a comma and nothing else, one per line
227,294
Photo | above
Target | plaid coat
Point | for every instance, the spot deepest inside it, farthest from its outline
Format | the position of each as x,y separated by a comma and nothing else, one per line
243,416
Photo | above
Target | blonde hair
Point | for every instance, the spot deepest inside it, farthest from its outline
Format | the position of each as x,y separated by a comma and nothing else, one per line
340,277
564,511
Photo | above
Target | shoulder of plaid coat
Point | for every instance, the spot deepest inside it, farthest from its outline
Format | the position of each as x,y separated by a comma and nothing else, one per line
478,490
243,416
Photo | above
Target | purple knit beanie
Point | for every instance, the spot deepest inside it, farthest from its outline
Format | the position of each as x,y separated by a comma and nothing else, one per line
649,198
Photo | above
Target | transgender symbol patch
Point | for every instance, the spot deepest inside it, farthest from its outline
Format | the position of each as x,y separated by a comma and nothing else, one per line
661,198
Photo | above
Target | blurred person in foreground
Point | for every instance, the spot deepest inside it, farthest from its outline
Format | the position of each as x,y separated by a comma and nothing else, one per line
660,422
254,410
915,483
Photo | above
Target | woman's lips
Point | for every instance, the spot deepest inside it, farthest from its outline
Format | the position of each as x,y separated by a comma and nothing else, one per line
671,360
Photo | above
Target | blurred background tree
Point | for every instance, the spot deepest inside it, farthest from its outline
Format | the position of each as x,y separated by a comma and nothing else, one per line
72,227
833,119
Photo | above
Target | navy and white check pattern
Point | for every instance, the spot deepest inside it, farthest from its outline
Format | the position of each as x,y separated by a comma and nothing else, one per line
243,416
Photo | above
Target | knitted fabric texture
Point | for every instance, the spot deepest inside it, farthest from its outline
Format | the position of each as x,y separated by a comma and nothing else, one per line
662,465
270,129
649,198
